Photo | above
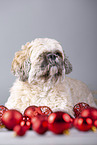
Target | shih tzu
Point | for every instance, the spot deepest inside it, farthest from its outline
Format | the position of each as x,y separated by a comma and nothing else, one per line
41,67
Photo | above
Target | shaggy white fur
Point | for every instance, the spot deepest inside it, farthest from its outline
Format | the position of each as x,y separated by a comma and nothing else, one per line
41,83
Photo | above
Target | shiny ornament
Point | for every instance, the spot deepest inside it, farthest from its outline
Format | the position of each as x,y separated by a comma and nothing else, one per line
11,118
40,124
26,121
2,110
30,111
83,123
59,121
44,110
19,130
92,113
95,123
78,108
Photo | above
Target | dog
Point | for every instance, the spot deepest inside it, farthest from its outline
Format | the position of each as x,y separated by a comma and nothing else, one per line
41,67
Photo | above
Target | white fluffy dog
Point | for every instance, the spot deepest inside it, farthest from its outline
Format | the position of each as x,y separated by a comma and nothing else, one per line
41,67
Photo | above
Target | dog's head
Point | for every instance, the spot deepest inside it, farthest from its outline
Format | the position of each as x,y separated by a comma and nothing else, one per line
41,60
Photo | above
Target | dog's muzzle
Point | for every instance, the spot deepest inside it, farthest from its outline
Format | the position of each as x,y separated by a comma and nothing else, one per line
52,66
51,58
52,62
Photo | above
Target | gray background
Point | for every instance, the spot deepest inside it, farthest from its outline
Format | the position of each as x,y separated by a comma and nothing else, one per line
72,22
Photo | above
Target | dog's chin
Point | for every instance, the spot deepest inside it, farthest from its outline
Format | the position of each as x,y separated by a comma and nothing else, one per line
51,77
54,75
53,70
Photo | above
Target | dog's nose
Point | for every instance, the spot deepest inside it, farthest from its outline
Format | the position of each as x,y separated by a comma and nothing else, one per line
51,57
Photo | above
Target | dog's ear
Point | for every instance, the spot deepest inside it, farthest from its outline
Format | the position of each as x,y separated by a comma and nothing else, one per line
21,63
68,65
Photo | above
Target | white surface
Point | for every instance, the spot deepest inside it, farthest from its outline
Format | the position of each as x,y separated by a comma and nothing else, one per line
75,138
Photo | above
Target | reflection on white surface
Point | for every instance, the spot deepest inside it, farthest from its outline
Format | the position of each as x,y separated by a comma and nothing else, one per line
75,138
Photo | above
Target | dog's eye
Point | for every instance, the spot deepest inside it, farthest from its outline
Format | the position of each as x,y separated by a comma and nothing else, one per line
58,54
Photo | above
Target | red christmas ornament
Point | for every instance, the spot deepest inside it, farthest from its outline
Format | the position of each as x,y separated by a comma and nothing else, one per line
92,113
59,121
83,123
26,121
78,108
2,110
95,123
11,118
44,110
39,124
30,111
20,130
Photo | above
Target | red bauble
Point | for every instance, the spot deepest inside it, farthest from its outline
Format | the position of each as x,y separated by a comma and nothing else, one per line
11,118
20,130
78,108
2,110
39,124
83,123
95,123
30,111
26,121
59,121
44,110
92,113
